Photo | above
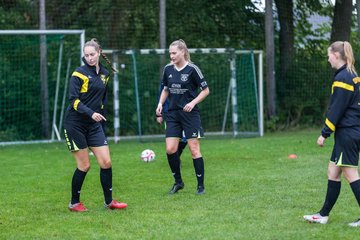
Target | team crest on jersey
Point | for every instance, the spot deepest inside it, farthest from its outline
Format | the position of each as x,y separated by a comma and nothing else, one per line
103,78
184,77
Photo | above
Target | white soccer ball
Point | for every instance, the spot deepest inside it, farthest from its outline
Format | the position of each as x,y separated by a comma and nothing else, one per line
147,155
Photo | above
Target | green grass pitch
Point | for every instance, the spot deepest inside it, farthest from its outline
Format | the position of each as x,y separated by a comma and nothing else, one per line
253,191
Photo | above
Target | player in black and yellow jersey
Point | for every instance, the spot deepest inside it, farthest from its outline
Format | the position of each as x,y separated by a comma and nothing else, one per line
342,119
82,125
182,81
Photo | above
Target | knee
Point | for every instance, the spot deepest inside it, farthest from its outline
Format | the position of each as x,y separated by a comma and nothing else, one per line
195,152
106,164
347,177
334,177
84,167
196,155
334,173
171,149
351,176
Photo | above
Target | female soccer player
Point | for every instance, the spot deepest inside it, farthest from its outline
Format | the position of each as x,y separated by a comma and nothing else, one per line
82,125
181,80
342,118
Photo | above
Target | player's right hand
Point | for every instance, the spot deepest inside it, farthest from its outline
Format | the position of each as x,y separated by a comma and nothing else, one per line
159,119
159,110
320,141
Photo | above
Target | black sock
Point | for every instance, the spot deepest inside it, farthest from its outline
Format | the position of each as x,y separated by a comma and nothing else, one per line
76,184
174,163
199,170
181,147
355,187
333,192
106,183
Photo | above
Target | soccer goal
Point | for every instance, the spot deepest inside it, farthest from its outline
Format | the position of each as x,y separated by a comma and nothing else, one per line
26,113
233,108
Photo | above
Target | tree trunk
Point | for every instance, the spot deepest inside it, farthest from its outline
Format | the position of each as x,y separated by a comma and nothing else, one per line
358,17
162,31
286,45
162,18
270,58
341,25
43,74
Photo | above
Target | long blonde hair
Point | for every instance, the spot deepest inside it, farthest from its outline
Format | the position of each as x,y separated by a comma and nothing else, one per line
95,43
182,46
346,54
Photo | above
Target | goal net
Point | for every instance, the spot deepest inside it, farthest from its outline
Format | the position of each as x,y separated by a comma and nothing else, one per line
233,108
24,108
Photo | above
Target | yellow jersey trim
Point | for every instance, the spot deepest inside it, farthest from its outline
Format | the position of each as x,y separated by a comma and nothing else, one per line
330,125
356,80
342,85
76,103
85,85
75,146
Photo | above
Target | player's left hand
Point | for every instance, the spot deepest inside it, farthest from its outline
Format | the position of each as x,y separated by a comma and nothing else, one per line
189,107
98,117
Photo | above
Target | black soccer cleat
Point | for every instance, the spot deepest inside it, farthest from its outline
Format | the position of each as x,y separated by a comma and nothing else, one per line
200,190
176,187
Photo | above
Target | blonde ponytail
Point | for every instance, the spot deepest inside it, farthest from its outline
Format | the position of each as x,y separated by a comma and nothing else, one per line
108,62
349,57
346,54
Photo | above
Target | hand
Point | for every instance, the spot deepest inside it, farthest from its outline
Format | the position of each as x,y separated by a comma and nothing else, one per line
188,107
98,117
159,110
159,120
320,141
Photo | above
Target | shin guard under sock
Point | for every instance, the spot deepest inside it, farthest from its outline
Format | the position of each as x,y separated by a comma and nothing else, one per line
355,187
332,194
76,184
199,170
174,163
106,183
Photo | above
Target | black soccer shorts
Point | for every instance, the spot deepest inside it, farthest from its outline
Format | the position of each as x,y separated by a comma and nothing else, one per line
180,123
80,135
346,148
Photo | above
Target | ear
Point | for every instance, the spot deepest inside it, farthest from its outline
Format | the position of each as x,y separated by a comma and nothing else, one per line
183,52
337,55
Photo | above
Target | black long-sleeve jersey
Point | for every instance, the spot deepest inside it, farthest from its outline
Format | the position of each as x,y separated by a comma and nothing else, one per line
183,85
87,92
344,105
